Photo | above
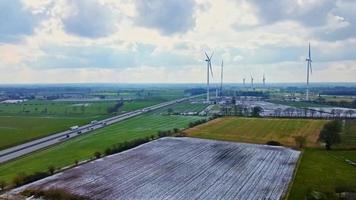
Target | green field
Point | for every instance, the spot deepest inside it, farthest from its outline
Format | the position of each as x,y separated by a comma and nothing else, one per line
348,137
15,129
138,104
135,93
23,122
139,93
187,107
324,171
83,147
58,108
259,130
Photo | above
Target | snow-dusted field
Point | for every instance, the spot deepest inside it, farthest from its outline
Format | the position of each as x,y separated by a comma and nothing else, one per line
182,168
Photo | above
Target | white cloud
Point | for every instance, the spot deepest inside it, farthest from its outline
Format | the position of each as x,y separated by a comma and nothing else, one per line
168,16
125,43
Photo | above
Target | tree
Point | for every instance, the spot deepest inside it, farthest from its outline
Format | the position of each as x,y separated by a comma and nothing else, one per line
338,113
245,111
176,130
19,179
330,134
298,112
353,104
321,111
170,111
82,108
256,111
233,101
291,112
300,141
2,185
97,154
312,112
51,169
305,112
277,112
286,112
350,113
235,109
333,112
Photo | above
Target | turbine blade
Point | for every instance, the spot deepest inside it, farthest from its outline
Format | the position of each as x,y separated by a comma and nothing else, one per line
309,52
207,56
212,54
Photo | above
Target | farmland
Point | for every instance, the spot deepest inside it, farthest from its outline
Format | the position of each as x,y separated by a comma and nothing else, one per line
187,107
16,129
348,137
319,170
324,171
83,147
139,93
58,108
53,108
259,130
34,119
168,168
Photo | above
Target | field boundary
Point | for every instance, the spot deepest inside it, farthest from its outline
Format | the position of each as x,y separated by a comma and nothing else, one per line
291,183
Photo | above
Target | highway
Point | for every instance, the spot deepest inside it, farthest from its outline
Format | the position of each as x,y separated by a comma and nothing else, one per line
35,145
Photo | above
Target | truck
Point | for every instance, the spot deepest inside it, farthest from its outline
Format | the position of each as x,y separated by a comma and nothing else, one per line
74,127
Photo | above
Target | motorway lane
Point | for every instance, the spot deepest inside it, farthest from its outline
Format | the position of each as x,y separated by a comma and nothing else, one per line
23,149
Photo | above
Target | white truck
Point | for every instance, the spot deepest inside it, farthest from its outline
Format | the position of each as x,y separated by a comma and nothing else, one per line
74,127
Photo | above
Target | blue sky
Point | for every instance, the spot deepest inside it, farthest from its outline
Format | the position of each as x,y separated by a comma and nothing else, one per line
128,41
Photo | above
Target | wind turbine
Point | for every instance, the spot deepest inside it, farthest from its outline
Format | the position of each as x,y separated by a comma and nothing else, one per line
208,68
309,70
251,81
264,80
222,76
244,81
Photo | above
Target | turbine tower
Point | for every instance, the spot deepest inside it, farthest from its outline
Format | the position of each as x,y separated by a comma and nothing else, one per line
244,81
264,80
309,70
222,76
208,71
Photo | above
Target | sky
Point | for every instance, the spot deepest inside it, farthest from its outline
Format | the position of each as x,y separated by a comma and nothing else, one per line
163,41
